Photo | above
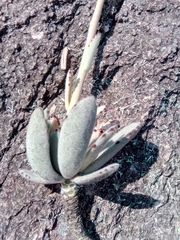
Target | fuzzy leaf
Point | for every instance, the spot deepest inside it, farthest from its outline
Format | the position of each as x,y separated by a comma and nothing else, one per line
75,135
85,65
37,147
64,57
100,110
68,88
90,52
97,175
34,177
98,146
114,145
96,133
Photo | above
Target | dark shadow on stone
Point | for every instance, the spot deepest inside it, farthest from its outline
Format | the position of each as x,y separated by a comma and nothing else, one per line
85,205
165,102
136,201
135,161
54,187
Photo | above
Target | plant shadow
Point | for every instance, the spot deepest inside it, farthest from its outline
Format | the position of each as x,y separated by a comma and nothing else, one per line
135,161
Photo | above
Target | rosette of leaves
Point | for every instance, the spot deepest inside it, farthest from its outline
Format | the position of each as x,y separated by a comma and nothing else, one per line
69,155
74,155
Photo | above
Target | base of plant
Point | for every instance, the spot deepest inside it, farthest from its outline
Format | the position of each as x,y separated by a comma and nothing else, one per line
69,193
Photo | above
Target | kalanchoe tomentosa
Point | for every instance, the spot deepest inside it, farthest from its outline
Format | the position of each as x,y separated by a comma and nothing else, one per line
75,154
57,156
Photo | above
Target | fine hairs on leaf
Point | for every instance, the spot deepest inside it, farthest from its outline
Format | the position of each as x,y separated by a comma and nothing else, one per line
76,132
37,147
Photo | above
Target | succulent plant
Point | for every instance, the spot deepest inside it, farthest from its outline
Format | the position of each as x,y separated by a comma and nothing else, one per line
69,154
74,155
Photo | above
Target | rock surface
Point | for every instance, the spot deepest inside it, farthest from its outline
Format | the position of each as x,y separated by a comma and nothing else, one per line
137,70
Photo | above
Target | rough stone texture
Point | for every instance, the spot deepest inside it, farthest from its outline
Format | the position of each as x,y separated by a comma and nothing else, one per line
137,70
